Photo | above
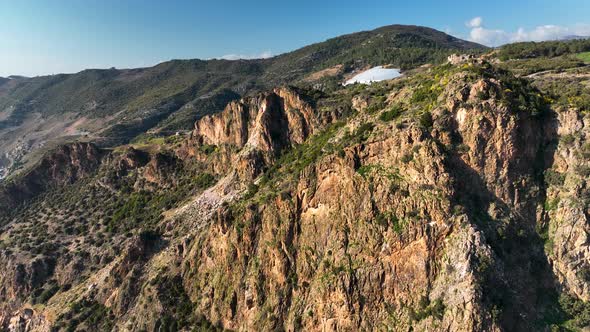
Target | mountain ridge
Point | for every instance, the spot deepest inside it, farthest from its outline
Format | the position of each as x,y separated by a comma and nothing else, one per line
441,200
453,198
113,106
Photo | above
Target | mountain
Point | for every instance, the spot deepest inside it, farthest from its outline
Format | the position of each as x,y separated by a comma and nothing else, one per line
452,198
573,37
110,107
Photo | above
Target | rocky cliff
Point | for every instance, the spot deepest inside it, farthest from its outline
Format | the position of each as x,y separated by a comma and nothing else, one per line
65,165
451,199
565,221
397,227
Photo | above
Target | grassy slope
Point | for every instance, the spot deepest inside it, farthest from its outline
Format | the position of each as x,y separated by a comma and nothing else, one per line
585,56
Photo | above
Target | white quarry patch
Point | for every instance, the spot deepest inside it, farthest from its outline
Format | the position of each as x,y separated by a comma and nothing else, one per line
375,74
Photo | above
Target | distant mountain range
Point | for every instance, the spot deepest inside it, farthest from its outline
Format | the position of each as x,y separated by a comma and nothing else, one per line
111,106
573,37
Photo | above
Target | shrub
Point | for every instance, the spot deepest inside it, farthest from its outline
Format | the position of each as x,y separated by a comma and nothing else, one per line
543,49
426,120
425,93
576,310
407,157
582,170
435,309
204,180
391,114
362,133
207,149
554,178
585,151
252,190
377,104
47,294
567,139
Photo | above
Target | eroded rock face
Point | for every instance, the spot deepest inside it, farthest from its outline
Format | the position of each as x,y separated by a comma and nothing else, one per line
404,224
65,165
317,259
26,320
567,214
409,222
259,127
268,122
130,159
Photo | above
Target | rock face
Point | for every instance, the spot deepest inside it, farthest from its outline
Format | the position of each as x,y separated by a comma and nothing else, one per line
567,215
369,239
269,122
65,165
439,202
261,127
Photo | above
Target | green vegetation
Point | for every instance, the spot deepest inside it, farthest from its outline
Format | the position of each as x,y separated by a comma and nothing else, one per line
102,209
585,151
361,134
569,89
152,139
389,219
426,94
371,170
576,310
567,314
204,180
567,139
295,160
543,49
207,149
178,308
584,56
186,116
536,65
44,294
144,208
426,309
426,121
520,95
391,114
130,206
551,205
173,94
566,92
401,46
377,103
554,178
86,315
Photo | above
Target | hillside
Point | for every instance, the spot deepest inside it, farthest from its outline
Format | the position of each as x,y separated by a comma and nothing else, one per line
401,46
110,107
453,198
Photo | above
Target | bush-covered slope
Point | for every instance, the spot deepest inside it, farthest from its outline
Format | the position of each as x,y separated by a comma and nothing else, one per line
452,199
112,106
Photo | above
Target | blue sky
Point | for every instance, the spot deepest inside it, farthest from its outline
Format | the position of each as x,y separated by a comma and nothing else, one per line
54,36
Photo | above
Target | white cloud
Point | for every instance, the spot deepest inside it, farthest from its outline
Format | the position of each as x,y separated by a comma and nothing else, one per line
495,37
489,37
263,55
475,22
